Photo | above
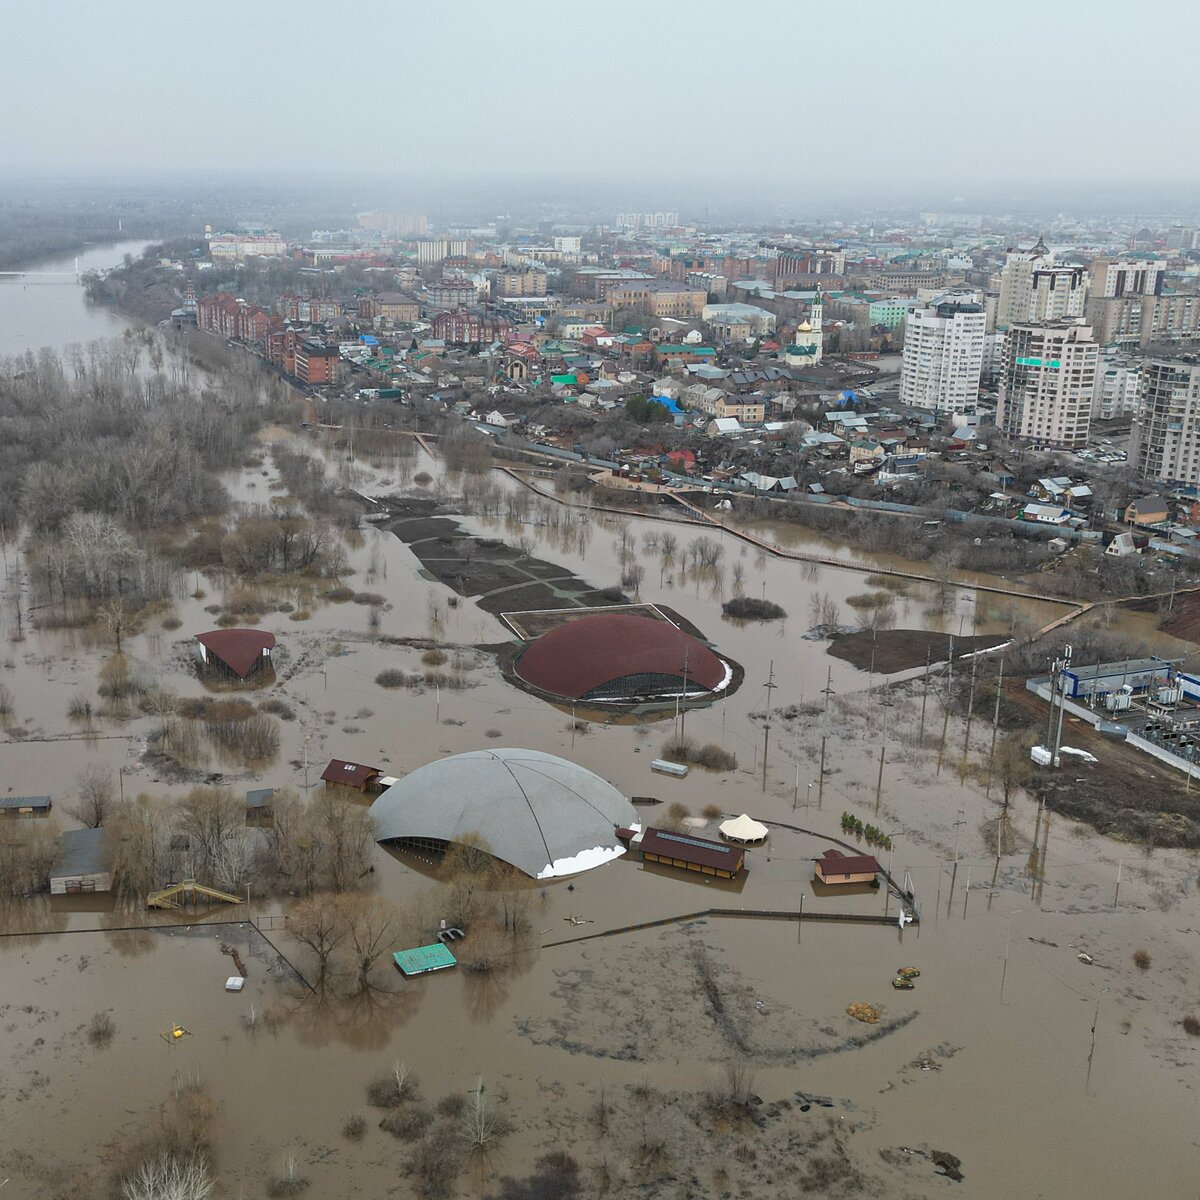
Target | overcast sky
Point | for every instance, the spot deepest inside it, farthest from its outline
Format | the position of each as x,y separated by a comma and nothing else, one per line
950,94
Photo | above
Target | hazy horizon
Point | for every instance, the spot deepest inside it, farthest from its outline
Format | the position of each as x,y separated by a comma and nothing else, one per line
948,105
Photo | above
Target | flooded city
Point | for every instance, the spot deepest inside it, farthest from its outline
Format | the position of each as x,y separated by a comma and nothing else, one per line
631,992
538,673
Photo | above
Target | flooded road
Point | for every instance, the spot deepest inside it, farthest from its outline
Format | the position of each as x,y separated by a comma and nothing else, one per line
990,1059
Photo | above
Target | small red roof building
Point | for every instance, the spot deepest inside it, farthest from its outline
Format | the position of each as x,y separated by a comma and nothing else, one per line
835,867
350,774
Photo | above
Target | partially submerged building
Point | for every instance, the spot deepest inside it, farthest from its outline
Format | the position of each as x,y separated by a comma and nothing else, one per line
541,814
24,806
621,658
83,864
834,867
358,777
236,654
689,853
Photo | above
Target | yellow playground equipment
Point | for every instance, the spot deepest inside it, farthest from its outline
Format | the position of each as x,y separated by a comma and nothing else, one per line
187,891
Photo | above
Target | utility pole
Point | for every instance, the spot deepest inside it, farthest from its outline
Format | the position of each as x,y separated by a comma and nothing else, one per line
1053,687
683,710
828,688
879,781
924,698
995,730
770,685
970,713
821,783
1062,705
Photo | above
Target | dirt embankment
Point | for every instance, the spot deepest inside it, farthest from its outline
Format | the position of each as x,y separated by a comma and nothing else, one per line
902,649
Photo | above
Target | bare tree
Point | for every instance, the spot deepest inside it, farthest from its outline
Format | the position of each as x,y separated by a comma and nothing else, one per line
482,1125
169,1177
319,923
372,926
95,797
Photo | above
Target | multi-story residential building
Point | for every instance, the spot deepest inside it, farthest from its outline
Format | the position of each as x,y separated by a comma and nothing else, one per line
460,328
1047,383
308,310
798,263
649,220
1144,321
239,244
452,293
1113,278
316,364
870,311
1118,382
662,297
568,245
903,279
391,306
748,408
530,282
1166,430
943,355
1034,288
431,251
1130,305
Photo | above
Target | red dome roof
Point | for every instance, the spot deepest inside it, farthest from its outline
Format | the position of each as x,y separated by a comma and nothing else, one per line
578,657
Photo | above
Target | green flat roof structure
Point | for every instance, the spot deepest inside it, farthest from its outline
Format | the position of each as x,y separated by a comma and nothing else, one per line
424,959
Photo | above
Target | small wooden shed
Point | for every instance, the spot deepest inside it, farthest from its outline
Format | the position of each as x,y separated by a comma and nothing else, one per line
356,776
834,867
83,864
24,806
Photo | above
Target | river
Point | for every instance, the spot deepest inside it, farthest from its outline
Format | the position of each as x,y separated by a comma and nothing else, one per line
37,312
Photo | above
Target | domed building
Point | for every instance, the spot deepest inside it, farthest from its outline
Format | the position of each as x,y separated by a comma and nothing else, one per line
541,814
620,658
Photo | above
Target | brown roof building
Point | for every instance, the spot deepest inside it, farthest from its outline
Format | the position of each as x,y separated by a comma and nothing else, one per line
352,775
691,853
619,657
239,652
835,867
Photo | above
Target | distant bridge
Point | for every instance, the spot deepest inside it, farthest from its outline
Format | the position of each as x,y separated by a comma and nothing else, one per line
43,277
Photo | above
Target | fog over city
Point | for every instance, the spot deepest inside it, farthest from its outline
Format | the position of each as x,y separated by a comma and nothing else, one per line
795,104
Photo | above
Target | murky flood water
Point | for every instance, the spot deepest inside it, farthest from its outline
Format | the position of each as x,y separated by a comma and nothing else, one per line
1002,1082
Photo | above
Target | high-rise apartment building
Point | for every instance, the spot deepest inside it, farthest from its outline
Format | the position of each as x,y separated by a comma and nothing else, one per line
1118,380
1130,305
943,354
1033,287
1166,430
1047,382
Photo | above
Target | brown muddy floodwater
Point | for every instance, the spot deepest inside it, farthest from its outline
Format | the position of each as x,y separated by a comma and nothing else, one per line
991,1059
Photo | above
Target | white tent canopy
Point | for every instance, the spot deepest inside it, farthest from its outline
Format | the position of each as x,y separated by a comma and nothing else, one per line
744,829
